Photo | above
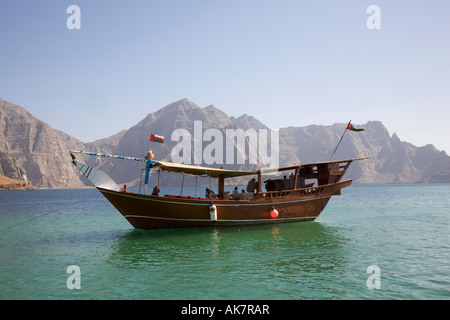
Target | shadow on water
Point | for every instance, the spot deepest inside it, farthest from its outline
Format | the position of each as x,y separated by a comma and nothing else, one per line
284,257
138,244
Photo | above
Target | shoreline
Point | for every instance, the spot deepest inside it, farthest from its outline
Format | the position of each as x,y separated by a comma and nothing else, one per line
9,184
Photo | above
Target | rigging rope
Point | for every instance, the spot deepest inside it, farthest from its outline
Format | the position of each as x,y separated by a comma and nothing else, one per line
23,222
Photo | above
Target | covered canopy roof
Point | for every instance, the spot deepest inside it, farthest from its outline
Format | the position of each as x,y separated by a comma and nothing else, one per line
319,163
214,172
200,171
206,171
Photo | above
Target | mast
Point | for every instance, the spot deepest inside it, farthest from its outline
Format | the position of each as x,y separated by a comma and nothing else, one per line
340,140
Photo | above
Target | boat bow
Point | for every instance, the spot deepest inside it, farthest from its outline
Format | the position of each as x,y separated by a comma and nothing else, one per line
97,177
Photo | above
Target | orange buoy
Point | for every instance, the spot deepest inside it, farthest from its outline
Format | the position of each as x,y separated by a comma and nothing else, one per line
274,213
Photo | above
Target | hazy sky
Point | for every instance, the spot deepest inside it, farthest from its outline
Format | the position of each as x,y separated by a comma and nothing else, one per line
286,62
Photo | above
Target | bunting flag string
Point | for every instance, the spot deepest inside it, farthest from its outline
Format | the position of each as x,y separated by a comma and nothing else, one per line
108,155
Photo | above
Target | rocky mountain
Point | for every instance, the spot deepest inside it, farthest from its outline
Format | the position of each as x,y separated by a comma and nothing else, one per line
180,114
30,150
390,160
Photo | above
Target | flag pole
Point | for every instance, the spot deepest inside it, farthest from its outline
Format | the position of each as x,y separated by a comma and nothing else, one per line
340,140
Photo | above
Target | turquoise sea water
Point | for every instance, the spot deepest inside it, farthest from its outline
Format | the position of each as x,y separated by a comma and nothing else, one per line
403,230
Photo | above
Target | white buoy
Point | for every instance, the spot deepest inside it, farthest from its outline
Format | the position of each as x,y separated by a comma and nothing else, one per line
213,212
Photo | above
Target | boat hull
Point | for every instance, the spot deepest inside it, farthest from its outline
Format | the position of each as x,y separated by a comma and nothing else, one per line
156,212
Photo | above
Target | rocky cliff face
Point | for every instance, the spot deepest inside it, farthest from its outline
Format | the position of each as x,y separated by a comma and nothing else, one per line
32,151
135,141
390,160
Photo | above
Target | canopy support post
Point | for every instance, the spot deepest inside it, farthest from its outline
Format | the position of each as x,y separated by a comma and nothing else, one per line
221,185
259,182
182,184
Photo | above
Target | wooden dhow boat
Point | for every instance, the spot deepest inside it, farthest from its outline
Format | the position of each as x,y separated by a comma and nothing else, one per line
300,196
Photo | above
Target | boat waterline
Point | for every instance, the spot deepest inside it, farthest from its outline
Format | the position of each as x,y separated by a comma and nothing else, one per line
226,220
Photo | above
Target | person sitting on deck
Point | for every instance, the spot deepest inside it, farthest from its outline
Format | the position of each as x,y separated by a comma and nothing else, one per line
252,186
149,155
210,194
235,191
155,191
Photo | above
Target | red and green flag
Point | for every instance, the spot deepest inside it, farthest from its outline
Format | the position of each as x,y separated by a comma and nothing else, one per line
156,138
349,127
352,128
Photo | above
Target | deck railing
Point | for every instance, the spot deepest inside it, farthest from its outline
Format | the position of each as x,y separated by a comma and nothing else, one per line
283,193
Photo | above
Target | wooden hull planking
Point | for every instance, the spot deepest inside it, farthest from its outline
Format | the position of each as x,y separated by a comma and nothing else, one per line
155,212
